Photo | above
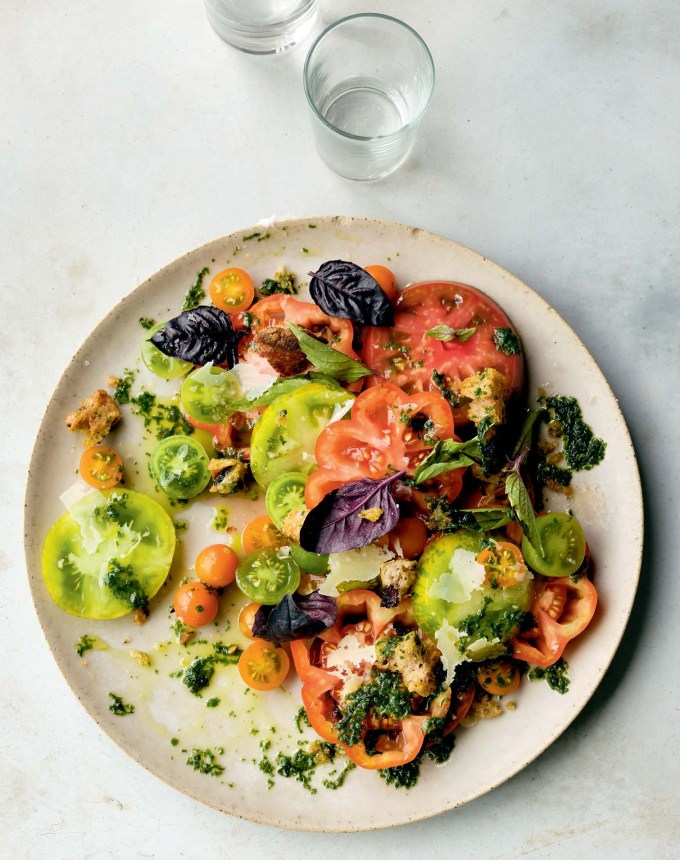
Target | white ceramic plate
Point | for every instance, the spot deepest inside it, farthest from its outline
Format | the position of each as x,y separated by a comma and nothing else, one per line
164,709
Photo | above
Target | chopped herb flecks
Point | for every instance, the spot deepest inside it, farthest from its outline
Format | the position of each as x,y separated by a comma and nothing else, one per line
119,707
195,294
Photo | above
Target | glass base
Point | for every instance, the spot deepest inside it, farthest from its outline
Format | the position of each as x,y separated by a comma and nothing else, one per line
270,37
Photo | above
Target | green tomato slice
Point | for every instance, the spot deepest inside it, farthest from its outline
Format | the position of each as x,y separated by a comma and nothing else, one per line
563,544
267,575
450,587
285,436
109,554
160,364
286,493
206,394
311,562
179,465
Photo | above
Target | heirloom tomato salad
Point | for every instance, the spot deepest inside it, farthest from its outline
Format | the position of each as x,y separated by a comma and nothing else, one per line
402,563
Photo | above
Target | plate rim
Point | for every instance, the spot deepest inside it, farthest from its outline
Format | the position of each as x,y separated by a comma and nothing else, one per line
352,221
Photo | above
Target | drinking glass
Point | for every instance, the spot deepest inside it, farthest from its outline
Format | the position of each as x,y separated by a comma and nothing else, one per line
368,79
261,26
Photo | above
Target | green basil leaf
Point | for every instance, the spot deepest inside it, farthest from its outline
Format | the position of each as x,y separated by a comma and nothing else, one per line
521,505
329,360
445,333
526,433
446,456
445,517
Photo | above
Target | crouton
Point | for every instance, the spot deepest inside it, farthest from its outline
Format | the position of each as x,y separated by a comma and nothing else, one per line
279,346
292,524
95,416
396,577
412,658
488,395
228,476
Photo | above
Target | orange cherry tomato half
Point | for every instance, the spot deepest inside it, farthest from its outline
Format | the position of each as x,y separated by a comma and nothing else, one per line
246,617
263,666
385,278
261,533
409,536
216,565
101,467
232,290
498,678
195,604
504,565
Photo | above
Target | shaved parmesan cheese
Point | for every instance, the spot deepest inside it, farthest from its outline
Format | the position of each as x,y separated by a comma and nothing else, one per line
340,410
350,657
465,575
447,639
252,379
359,566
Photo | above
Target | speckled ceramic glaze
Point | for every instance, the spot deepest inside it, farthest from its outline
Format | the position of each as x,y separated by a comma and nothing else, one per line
486,754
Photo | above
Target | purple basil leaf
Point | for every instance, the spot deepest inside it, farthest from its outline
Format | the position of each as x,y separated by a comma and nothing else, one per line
336,524
295,618
345,290
200,335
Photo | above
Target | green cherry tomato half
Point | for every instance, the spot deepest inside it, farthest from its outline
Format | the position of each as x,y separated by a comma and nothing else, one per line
179,465
206,394
563,543
267,575
110,553
286,493
160,364
311,562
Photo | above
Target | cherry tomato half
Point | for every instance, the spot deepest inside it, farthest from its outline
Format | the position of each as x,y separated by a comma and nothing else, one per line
101,467
246,617
261,533
216,565
409,536
503,564
498,677
263,666
195,604
232,290
385,278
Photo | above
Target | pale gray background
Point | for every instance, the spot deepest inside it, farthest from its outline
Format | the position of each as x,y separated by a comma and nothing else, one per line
129,134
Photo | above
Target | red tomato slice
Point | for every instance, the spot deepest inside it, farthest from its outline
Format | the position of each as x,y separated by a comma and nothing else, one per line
405,355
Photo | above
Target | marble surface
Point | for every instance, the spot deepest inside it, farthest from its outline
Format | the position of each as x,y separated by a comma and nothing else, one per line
130,133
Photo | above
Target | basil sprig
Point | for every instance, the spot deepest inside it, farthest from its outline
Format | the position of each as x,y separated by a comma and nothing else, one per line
446,456
445,333
329,360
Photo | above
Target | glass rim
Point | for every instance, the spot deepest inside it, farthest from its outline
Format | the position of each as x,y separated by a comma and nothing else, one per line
324,33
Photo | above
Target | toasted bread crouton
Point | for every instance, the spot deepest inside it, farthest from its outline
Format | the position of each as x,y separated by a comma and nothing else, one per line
292,523
95,416
412,658
488,395
279,346
228,476
396,577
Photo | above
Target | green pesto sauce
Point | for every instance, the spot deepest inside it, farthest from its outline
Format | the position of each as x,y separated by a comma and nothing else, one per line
121,393
302,764
507,341
121,582
220,520
88,642
385,696
147,323
198,674
439,750
302,720
492,623
282,282
582,449
119,707
212,702
205,761
555,676
161,417
195,294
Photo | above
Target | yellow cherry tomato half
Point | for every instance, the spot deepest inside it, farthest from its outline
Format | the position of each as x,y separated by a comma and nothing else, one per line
261,533
246,617
232,290
101,467
263,666
216,565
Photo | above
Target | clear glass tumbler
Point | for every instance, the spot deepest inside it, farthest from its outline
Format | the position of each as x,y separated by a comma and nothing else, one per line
368,79
261,26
